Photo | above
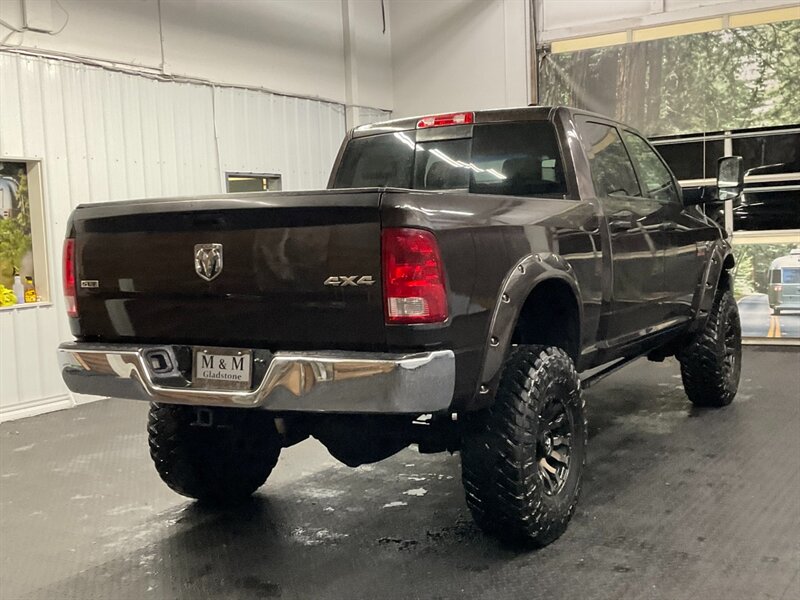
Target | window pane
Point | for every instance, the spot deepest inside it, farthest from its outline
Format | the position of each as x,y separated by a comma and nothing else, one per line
685,159
775,276
714,151
612,171
783,151
442,165
17,278
766,206
253,183
377,161
519,159
791,275
656,178
768,201
692,160
506,158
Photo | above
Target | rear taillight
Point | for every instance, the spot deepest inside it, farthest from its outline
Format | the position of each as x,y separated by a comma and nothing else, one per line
413,277
464,118
69,278
777,288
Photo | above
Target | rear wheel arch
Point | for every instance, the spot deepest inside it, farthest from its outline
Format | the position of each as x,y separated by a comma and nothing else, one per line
729,261
538,298
726,273
718,274
550,316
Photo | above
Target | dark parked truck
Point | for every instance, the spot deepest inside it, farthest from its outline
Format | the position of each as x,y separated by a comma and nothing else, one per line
461,281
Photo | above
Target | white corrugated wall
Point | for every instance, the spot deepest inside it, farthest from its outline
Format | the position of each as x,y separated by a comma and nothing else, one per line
107,135
266,133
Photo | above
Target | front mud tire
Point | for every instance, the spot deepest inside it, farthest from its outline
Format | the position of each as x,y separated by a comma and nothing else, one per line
522,458
711,363
219,462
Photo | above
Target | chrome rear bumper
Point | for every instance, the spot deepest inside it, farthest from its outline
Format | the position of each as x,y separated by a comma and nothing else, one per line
347,382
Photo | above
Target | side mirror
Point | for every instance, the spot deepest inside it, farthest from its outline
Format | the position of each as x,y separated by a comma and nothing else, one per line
730,178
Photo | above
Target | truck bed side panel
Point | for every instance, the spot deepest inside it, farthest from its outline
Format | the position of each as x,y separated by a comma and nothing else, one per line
482,238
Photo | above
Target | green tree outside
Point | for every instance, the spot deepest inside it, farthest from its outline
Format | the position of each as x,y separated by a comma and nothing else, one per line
729,79
15,232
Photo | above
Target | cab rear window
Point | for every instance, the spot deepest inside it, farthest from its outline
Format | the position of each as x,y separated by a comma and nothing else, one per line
518,159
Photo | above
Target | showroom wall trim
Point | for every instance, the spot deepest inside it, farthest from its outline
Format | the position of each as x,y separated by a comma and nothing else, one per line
673,30
295,48
561,20
103,135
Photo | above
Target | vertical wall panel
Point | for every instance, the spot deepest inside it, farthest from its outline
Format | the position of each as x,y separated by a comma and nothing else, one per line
72,115
262,133
10,111
371,115
31,100
104,135
148,129
55,154
9,392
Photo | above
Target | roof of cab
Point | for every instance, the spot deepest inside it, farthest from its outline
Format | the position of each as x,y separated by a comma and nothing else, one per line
481,116
521,113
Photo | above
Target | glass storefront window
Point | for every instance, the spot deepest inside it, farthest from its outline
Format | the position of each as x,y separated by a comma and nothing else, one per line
22,260
253,182
769,153
694,159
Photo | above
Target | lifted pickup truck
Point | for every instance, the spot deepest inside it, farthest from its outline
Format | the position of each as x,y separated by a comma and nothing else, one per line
446,290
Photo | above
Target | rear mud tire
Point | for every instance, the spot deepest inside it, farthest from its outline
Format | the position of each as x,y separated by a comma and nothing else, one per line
220,463
711,363
509,491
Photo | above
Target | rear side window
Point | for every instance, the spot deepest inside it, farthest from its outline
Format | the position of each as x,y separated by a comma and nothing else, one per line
611,167
775,276
376,161
520,159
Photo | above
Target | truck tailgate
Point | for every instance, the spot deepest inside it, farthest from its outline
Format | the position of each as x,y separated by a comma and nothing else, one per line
260,281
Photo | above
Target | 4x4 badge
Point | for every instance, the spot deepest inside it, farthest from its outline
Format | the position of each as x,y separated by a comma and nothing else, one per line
347,280
208,260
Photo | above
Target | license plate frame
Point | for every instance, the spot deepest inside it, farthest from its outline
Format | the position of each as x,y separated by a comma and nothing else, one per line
236,372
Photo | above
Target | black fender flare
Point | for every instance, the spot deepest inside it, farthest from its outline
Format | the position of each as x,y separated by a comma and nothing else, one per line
720,257
519,283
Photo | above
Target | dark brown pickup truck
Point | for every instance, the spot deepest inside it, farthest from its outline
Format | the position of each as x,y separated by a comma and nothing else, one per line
446,290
